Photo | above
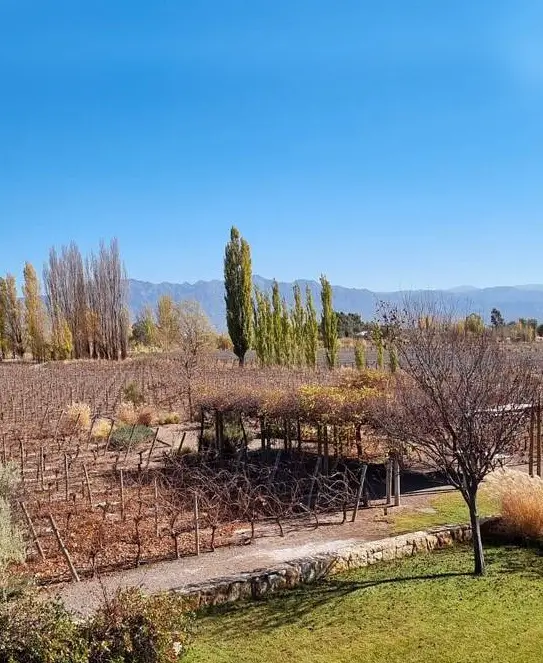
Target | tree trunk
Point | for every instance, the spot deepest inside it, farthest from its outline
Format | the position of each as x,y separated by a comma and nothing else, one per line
478,553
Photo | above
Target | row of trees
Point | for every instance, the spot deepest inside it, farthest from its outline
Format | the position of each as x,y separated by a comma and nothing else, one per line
83,313
280,335
284,336
523,329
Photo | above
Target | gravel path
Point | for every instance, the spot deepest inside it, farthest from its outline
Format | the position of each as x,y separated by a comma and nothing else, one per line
268,550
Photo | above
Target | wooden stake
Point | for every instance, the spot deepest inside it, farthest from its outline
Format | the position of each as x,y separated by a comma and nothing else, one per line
262,433
396,475
109,436
87,481
539,437
22,450
32,530
361,481
66,477
122,496
182,442
313,479
156,508
151,450
196,526
129,445
64,550
388,481
531,447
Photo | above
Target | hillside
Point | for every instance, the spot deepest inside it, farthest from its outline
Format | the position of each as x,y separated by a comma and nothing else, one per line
513,301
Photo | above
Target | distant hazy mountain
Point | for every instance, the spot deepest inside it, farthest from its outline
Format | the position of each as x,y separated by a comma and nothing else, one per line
513,301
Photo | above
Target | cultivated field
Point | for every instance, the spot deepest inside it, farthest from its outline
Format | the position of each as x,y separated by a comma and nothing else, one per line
106,478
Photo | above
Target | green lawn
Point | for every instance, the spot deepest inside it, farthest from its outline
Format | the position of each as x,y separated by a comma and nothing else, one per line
427,608
448,508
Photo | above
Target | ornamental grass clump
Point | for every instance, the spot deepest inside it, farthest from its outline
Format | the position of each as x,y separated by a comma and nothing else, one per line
521,502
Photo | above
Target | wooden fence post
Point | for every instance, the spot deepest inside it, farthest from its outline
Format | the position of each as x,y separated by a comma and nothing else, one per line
313,479
359,491
64,550
66,477
122,496
87,481
396,473
196,526
32,530
388,481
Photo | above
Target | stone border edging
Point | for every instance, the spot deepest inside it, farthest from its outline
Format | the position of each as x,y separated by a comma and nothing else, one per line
310,569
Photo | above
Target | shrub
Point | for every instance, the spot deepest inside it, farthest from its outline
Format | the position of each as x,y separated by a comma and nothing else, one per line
9,478
78,416
521,502
169,418
133,628
145,415
232,437
101,428
224,342
37,631
12,547
128,628
130,436
126,412
132,394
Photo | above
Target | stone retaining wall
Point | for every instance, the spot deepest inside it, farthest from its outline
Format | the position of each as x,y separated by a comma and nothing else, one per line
309,569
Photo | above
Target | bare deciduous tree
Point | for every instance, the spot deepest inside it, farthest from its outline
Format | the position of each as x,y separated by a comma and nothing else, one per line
90,299
195,339
461,401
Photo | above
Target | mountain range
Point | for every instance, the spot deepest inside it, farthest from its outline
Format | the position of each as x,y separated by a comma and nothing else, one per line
514,302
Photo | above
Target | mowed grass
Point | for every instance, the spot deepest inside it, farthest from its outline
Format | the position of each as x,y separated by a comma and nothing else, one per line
426,608
449,508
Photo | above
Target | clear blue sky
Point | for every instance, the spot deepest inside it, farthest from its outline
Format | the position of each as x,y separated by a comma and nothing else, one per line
388,144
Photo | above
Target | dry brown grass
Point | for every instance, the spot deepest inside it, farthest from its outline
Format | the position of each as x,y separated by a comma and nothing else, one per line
521,501
146,415
165,418
126,412
78,416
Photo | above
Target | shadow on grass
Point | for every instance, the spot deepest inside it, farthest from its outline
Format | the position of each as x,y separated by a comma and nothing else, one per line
290,607
525,561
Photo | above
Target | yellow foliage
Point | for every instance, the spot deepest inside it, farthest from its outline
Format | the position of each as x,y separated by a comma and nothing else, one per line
79,416
101,428
521,500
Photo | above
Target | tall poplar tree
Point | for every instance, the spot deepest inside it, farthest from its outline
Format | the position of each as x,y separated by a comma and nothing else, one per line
360,355
263,333
311,330
34,313
328,324
297,327
277,324
3,337
12,315
168,323
286,335
238,285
